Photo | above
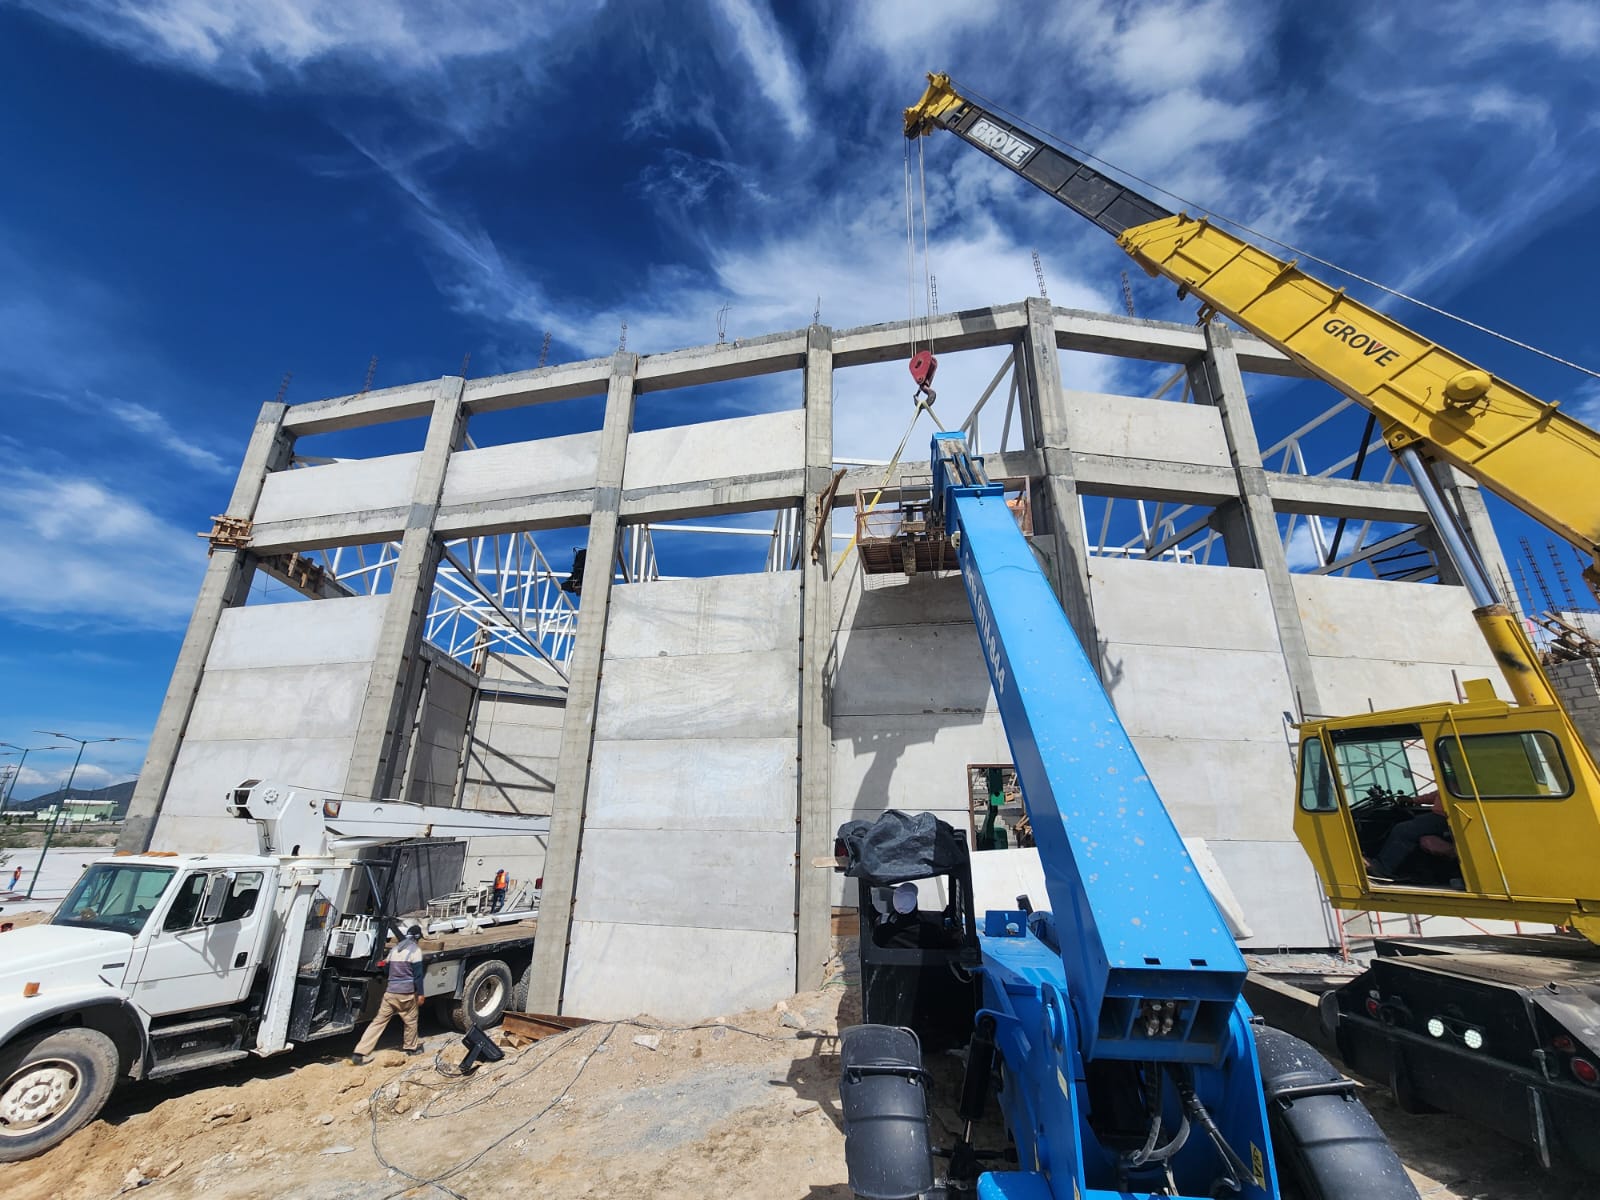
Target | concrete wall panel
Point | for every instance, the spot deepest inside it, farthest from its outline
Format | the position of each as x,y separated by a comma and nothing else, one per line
694,878
743,784
358,485
298,633
1278,891
1371,619
672,973
750,695
904,670
1155,430
1223,789
275,703
685,454
1172,604
1197,692
193,818
543,467
675,617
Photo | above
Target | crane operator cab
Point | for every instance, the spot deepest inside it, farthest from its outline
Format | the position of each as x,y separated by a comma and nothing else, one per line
1480,809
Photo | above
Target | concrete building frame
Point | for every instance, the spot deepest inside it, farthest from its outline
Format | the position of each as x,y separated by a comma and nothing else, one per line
397,699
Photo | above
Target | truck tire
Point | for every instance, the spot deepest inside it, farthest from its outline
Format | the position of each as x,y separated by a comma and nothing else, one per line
519,999
485,995
52,1085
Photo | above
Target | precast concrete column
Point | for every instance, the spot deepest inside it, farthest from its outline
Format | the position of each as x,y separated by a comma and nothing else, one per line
226,584
1253,527
1046,410
568,804
813,935
381,737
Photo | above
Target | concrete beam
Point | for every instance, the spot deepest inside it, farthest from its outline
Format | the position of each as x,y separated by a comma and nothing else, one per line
542,385
319,533
561,511
363,408
1159,341
1145,479
226,584
1348,498
892,340
743,358
814,891
712,498
1218,381
569,803
379,752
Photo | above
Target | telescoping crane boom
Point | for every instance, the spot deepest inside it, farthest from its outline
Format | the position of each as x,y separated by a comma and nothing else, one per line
1131,1064
1502,1029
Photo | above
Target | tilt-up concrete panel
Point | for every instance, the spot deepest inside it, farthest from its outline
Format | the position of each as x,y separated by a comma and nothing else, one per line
912,706
546,467
745,446
515,736
1386,645
359,485
692,800
1148,430
280,699
1194,665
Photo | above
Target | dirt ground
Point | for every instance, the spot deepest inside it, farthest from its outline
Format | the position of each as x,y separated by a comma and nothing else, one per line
742,1107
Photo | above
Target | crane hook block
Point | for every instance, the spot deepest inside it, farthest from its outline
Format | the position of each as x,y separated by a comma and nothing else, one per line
923,365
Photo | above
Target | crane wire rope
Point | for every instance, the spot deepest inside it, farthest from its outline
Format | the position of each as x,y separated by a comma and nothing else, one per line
1267,237
924,403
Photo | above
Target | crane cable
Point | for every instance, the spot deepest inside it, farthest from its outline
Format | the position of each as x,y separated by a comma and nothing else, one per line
1267,237
924,403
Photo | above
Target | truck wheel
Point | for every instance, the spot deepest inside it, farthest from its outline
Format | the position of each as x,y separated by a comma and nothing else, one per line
50,1086
524,985
485,995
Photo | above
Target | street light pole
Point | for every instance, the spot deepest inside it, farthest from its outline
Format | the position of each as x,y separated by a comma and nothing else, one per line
26,750
66,795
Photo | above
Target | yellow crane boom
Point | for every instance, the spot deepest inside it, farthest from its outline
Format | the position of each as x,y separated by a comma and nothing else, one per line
1486,758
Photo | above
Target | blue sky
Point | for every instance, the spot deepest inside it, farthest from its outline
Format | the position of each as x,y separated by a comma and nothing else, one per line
203,194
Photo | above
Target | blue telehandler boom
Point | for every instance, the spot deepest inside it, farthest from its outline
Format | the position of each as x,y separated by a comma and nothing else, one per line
1127,1063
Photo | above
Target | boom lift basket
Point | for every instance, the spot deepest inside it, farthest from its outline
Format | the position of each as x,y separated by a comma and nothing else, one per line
897,532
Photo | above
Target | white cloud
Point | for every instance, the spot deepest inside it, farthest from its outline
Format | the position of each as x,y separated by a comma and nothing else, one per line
151,424
1585,403
771,64
463,65
103,559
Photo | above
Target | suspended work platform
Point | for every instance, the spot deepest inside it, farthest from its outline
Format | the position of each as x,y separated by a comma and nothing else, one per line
897,532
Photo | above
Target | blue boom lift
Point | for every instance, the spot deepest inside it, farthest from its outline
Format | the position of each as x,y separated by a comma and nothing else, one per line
1127,1063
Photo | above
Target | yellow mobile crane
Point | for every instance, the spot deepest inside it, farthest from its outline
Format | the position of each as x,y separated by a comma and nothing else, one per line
1506,1030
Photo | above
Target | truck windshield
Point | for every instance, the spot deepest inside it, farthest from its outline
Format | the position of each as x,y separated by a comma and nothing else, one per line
114,896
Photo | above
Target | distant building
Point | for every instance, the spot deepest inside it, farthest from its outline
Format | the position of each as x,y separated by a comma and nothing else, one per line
78,810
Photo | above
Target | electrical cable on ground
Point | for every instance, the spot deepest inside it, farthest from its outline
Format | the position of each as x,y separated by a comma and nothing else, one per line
1222,218
553,1046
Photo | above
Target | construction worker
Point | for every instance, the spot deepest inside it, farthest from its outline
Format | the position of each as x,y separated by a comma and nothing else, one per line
401,996
500,883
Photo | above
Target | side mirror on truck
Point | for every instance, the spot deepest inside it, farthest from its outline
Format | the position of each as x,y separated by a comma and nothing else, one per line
216,897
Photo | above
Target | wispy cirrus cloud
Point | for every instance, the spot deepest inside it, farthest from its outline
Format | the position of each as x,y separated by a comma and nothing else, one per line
767,57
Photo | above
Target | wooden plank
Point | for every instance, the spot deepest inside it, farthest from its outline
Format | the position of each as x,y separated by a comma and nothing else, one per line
534,1026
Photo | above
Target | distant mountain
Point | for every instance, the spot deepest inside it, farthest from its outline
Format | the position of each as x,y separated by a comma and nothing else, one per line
121,793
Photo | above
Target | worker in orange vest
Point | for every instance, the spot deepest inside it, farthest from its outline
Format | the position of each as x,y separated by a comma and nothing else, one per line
500,882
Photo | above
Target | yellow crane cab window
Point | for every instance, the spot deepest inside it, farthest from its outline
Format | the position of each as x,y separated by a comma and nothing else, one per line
1316,781
1504,766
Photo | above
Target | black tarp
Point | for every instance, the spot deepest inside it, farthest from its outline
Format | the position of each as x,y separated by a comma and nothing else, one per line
899,846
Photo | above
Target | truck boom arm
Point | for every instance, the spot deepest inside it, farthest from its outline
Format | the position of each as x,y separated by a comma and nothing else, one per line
1523,449
307,823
